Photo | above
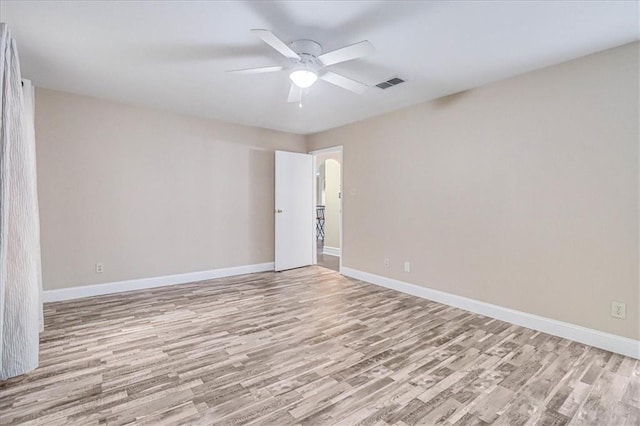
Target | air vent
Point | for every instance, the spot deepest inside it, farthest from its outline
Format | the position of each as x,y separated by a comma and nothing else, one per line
389,83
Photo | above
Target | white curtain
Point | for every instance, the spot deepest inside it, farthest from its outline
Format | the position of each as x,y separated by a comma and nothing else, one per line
29,94
20,288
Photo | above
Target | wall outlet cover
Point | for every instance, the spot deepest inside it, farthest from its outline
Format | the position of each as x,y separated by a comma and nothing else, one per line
618,310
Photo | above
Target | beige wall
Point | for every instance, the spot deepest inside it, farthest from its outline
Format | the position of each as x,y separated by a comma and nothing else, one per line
320,183
332,204
149,193
523,193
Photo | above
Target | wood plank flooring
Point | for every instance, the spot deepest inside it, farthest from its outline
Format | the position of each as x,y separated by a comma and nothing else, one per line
309,347
328,261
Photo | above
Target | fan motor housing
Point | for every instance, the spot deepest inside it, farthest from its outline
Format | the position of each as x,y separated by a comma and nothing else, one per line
306,48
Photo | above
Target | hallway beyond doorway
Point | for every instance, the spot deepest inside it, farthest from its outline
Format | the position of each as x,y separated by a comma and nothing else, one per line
326,260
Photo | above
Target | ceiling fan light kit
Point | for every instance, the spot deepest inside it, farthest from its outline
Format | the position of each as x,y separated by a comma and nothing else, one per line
303,78
304,71
309,63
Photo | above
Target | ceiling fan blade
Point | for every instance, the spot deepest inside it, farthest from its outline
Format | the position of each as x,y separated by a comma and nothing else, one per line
273,41
256,70
348,53
294,93
344,82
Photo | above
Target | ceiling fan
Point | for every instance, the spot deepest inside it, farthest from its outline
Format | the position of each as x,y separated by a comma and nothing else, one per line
308,64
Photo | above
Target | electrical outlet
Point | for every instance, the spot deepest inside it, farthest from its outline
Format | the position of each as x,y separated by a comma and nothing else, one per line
99,268
618,310
407,266
386,262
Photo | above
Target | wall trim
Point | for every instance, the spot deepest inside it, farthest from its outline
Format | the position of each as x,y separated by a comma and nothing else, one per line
333,251
144,283
599,339
337,148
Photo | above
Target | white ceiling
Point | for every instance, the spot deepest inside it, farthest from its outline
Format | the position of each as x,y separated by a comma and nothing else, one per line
173,55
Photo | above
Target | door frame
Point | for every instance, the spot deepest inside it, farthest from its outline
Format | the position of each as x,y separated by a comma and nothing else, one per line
337,148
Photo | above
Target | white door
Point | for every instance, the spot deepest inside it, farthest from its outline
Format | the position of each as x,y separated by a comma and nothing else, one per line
294,210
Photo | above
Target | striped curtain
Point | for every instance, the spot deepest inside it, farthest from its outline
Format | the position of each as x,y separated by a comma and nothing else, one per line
20,288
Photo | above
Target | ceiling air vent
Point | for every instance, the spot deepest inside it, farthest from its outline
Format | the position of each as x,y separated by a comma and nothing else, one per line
389,83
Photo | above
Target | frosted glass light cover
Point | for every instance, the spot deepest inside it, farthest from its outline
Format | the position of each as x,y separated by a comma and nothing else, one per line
303,78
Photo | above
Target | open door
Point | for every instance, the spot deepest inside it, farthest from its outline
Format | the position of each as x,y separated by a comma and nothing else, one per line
294,210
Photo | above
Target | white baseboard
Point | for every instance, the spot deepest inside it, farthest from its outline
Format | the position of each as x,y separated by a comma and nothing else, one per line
599,339
144,283
333,251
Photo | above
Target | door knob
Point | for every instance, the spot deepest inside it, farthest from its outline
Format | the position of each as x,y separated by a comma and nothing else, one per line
278,211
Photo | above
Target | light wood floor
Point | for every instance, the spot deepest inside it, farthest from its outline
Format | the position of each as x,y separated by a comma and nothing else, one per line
328,261
308,346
